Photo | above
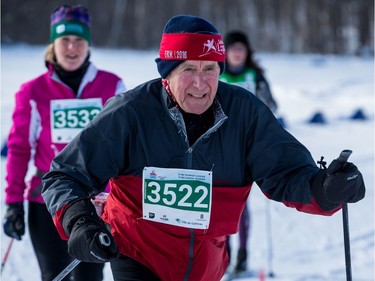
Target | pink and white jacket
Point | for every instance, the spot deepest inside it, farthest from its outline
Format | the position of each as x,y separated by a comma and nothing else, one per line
30,134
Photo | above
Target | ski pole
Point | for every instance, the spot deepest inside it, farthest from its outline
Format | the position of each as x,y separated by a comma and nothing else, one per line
67,270
343,158
104,240
270,244
5,258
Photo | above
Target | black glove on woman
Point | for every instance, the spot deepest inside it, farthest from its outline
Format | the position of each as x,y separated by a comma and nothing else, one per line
340,183
14,225
89,238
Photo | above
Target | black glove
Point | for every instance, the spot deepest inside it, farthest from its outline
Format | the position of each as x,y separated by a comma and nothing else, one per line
340,183
14,225
89,238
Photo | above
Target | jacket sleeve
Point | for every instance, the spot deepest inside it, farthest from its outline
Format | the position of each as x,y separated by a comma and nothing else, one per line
20,141
281,166
263,92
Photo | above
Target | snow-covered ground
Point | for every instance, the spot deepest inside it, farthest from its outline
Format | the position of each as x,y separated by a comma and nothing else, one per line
304,247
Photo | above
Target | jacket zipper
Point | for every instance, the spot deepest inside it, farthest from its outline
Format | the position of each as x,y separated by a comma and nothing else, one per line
189,166
191,254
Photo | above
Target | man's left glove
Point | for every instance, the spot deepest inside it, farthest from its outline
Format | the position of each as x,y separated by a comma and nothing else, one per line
339,183
89,238
344,183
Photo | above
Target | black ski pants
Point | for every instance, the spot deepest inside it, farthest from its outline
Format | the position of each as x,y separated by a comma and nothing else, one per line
127,269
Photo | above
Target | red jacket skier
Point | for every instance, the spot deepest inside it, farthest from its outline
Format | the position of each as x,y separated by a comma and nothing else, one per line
181,154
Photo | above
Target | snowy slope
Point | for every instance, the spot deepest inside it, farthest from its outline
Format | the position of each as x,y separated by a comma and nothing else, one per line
304,247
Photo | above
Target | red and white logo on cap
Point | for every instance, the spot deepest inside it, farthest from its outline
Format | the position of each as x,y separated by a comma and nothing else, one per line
192,46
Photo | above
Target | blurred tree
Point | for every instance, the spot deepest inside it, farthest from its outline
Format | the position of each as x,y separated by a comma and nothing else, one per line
293,26
116,22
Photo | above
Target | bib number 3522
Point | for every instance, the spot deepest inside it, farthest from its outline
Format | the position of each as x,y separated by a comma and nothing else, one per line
177,196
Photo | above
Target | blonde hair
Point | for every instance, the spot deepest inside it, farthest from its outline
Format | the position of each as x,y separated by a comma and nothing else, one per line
49,55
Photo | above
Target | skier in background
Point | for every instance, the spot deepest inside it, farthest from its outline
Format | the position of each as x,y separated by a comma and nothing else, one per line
241,69
49,111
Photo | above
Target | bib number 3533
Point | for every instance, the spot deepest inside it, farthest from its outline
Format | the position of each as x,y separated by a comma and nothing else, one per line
70,116
178,197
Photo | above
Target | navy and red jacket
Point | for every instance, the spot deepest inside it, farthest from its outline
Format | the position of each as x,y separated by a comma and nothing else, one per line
142,128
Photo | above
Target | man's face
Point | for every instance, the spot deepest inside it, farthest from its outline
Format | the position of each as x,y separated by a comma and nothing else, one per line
194,84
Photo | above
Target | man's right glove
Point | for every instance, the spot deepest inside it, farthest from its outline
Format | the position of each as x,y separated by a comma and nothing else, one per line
14,225
89,238
340,183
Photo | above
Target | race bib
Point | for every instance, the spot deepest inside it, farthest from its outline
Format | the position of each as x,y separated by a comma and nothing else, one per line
177,197
70,116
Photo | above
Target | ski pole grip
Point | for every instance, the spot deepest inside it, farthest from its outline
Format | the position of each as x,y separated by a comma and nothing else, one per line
339,163
344,155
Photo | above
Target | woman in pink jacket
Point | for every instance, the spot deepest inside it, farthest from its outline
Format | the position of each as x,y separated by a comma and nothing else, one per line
50,110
